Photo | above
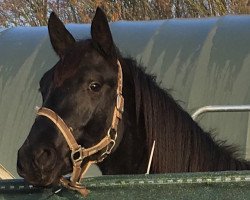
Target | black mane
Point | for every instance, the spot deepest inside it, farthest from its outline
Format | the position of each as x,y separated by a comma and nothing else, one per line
181,145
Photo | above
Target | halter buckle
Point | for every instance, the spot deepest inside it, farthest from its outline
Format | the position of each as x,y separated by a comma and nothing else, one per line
109,133
108,151
77,155
112,142
120,103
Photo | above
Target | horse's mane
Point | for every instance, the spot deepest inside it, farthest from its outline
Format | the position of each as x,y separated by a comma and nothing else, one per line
166,122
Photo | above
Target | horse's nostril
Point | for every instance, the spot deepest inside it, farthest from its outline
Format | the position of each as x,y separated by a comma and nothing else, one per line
45,158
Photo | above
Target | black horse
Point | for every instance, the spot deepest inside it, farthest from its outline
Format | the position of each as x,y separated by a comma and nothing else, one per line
81,89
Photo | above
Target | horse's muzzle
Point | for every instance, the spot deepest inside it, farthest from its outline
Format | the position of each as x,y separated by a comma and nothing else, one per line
35,166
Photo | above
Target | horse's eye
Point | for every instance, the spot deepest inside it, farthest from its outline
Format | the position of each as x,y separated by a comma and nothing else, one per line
95,86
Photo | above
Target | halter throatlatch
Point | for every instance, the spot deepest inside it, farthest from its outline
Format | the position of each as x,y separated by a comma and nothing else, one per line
79,153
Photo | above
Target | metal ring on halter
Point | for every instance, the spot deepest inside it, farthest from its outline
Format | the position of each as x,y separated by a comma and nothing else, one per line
120,103
73,153
115,135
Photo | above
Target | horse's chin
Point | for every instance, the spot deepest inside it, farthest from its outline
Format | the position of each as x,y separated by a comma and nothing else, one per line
50,181
45,182
43,179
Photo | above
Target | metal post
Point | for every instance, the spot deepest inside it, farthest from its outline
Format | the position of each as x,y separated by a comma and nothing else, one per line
221,108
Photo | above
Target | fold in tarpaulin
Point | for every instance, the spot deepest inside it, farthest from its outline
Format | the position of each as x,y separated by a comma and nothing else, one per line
5,174
195,186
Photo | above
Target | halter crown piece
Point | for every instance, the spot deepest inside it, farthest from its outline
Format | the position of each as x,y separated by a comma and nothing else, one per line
79,153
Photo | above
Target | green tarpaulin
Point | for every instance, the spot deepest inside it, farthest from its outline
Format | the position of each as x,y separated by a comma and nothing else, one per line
193,186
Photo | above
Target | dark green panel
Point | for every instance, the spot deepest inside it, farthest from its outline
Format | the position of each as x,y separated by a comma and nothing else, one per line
193,186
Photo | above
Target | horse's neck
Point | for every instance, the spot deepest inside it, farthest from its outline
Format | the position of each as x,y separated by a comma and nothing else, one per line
181,146
131,155
129,158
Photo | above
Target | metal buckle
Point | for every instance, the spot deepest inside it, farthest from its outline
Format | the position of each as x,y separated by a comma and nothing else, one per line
108,134
79,158
120,103
108,151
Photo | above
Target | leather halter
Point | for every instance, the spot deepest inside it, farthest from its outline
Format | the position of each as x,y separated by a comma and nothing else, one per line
79,153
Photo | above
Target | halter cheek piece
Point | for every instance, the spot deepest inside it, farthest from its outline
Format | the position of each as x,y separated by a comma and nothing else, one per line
79,153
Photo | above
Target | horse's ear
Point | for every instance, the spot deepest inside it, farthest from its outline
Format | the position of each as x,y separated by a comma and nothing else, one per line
101,34
60,37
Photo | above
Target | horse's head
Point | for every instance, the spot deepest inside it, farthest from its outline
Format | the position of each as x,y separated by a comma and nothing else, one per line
81,89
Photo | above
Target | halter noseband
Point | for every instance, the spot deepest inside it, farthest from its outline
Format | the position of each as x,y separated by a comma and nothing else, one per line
79,153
